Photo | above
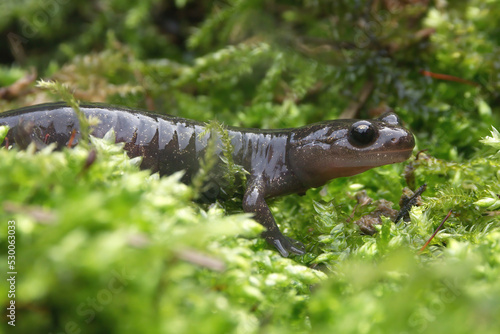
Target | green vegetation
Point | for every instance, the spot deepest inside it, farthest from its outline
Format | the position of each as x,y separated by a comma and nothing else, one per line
102,247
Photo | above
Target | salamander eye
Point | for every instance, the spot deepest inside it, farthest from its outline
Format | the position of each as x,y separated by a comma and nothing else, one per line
362,133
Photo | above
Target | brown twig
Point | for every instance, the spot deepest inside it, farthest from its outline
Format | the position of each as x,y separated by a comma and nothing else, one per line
355,106
419,152
448,77
19,88
435,232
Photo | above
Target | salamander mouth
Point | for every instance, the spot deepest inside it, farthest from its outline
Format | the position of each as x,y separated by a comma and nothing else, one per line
375,159
396,156
404,153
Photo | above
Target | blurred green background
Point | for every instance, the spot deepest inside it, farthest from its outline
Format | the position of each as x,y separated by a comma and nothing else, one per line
115,250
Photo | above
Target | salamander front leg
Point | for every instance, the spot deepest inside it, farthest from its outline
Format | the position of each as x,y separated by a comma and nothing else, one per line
254,202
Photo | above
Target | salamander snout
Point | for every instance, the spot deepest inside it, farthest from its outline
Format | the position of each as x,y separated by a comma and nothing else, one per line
396,139
394,134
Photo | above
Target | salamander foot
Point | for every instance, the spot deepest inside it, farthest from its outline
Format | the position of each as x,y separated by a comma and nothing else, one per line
286,245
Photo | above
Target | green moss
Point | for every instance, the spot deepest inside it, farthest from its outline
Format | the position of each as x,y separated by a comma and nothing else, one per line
110,248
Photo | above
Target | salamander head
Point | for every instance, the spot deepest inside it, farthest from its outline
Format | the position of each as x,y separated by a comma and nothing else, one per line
323,151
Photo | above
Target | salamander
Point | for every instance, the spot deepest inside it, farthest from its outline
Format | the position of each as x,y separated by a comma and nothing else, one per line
278,161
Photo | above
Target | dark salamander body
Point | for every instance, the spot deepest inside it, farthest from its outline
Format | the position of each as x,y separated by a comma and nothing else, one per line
279,162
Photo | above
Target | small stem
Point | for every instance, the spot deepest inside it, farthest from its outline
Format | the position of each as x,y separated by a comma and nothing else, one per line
435,232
